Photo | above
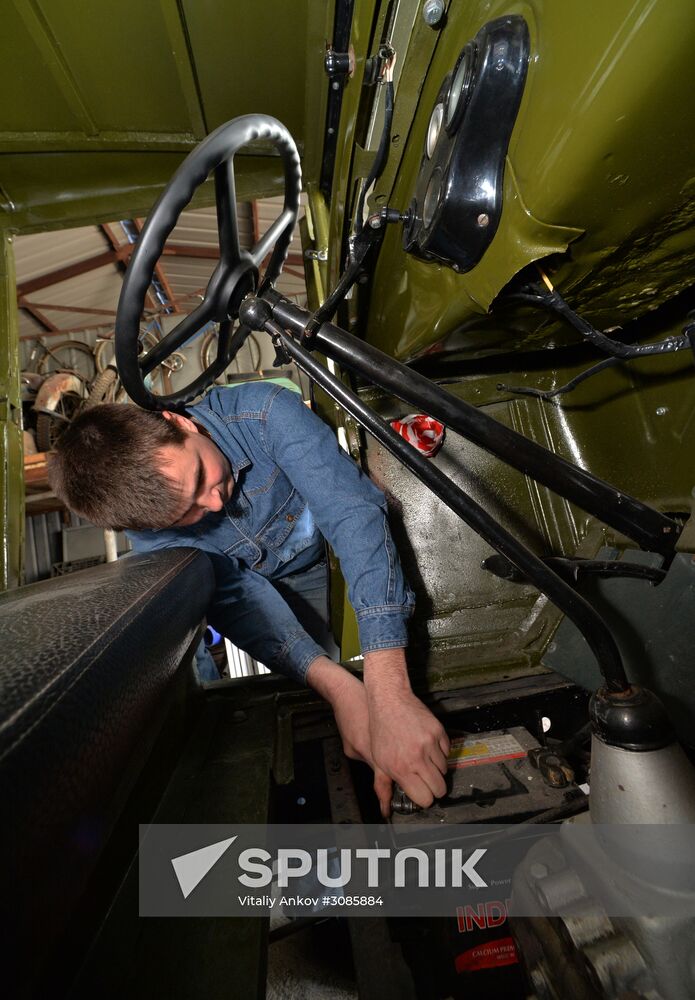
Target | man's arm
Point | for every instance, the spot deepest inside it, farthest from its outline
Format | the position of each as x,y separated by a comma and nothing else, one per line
407,742
247,609
381,721
347,697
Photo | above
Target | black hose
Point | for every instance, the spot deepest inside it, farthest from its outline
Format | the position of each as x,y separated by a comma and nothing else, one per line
380,159
589,623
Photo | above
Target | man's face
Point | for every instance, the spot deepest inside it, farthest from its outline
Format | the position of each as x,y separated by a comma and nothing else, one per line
200,471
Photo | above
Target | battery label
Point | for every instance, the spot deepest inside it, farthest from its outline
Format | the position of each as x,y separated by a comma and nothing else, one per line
490,955
467,751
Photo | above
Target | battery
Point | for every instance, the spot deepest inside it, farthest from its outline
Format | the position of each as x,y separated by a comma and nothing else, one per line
490,779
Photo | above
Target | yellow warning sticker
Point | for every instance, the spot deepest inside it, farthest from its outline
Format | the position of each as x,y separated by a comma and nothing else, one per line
467,751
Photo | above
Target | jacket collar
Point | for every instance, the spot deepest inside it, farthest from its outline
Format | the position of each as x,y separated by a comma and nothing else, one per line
219,432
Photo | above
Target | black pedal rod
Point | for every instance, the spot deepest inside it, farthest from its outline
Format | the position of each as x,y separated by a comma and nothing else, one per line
652,530
593,628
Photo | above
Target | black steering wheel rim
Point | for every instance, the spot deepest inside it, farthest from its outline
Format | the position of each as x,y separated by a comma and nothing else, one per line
236,273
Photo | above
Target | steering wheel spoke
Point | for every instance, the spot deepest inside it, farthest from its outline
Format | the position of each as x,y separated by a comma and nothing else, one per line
227,221
236,273
188,327
268,240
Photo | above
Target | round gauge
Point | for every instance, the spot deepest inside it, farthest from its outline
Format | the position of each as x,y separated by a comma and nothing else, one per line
459,91
432,197
434,128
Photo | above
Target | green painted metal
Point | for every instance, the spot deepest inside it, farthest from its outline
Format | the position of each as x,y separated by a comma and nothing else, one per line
341,192
11,451
598,180
600,161
629,426
56,190
100,109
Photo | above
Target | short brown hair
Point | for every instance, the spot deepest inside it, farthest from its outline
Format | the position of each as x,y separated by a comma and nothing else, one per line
104,467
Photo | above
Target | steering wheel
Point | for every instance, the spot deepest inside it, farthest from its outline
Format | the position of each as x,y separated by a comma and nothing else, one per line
234,277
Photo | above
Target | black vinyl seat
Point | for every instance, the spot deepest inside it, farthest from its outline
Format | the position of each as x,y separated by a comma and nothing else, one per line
88,662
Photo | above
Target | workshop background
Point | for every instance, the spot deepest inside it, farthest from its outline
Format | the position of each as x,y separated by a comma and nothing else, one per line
68,285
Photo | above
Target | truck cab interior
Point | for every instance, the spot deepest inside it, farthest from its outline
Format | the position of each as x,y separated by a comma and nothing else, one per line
498,232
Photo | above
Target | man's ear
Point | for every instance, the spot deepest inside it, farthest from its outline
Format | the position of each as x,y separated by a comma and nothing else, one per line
183,423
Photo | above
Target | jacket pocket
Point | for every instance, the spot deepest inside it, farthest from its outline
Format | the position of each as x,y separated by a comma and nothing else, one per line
290,529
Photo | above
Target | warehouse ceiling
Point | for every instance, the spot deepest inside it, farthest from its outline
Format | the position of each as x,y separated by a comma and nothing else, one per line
69,281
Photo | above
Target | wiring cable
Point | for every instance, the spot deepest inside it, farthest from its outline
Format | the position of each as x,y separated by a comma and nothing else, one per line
383,151
522,390
549,298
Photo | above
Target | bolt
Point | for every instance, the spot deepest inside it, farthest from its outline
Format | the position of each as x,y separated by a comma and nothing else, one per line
483,219
433,12
661,411
335,85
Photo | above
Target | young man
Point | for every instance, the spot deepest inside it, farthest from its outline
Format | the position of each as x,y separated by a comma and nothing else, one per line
257,481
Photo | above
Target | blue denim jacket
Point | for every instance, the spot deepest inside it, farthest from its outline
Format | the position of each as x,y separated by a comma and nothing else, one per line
293,488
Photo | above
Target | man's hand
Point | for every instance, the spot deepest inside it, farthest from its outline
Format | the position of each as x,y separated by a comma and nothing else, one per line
408,744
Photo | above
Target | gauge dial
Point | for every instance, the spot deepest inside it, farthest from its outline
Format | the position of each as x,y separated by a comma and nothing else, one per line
434,128
460,88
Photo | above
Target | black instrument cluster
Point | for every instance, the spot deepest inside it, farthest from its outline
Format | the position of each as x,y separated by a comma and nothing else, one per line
457,203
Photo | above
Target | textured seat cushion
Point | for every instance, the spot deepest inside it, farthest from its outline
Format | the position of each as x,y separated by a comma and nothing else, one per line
87,662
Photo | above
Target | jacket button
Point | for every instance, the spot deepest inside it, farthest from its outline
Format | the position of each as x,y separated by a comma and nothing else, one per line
290,517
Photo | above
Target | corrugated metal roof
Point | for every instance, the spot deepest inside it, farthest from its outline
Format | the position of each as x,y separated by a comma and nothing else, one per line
199,228
44,252
40,256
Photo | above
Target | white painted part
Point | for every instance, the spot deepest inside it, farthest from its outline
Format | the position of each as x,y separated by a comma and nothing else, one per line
110,545
240,664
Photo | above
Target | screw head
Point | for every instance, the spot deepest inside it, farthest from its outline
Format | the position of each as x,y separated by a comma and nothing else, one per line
433,12
483,219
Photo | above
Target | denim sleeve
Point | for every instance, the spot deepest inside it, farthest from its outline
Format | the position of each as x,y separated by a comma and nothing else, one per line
248,610
350,511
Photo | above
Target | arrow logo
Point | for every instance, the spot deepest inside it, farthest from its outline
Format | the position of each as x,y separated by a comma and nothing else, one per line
192,868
